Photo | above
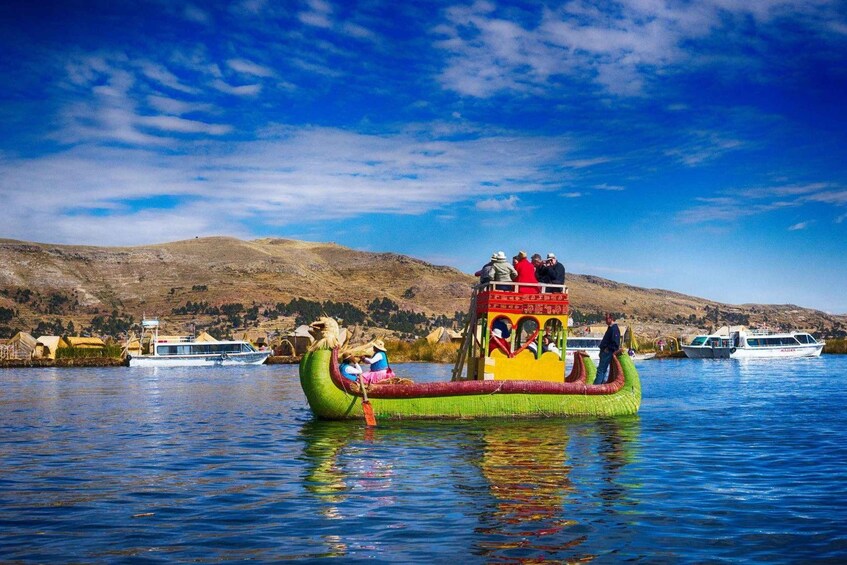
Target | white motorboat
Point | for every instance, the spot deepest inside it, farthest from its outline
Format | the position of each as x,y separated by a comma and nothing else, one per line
741,343
185,351
588,344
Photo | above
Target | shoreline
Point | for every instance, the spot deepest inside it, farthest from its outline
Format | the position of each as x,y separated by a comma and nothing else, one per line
109,362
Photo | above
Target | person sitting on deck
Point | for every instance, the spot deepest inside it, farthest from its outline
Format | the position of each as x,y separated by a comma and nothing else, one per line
379,367
497,341
550,345
503,271
350,368
526,274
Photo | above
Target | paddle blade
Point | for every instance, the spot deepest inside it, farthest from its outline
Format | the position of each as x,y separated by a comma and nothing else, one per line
368,410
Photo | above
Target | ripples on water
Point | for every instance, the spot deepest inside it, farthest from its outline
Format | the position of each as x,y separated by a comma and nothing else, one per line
727,461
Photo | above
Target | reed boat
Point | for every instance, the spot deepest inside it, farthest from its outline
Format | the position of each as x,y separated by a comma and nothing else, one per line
497,374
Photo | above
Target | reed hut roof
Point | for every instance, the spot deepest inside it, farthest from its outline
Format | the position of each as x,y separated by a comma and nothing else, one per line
85,342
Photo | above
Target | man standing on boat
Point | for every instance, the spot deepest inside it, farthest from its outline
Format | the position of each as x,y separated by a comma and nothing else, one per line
610,343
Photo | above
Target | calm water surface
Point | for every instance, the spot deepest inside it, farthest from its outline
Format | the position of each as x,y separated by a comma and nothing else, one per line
727,462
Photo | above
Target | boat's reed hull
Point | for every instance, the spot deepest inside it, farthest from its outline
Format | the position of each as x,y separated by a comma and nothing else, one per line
332,399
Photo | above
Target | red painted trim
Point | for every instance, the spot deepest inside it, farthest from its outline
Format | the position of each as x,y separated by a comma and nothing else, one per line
469,388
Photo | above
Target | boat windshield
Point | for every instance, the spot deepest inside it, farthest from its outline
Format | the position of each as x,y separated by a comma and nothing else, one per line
805,338
699,340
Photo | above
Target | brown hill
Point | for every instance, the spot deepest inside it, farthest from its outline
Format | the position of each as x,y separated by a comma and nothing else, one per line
76,283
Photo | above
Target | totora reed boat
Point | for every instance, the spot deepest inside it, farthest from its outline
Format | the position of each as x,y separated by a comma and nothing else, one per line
503,377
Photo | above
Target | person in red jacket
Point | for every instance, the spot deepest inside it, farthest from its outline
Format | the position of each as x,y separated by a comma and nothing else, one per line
526,274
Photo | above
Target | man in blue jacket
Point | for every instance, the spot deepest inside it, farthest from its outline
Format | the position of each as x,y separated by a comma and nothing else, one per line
610,343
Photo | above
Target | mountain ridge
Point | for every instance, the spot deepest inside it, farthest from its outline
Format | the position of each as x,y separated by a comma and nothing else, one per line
78,282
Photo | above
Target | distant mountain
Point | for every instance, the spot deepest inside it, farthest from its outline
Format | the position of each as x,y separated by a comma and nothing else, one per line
47,283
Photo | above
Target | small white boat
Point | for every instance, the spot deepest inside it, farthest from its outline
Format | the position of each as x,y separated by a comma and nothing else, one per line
753,344
588,344
184,351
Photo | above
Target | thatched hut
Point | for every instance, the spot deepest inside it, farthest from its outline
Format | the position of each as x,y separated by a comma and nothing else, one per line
20,346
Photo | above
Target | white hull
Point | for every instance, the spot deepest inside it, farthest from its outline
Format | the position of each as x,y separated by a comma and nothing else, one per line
785,351
593,353
212,360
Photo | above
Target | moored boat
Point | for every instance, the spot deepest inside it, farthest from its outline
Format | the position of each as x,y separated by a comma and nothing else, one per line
588,344
497,373
185,351
741,343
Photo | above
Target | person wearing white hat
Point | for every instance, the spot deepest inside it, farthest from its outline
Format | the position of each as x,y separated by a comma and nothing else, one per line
555,272
498,342
487,270
504,271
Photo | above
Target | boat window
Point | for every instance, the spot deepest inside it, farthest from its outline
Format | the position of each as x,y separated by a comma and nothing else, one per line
554,329
715,342
525,328
805,338
504,325
699,340
247,348
753,342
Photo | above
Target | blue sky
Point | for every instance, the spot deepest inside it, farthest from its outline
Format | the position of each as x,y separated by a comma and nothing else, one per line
692,146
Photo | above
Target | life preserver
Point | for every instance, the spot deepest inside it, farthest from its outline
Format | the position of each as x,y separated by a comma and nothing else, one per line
732,350
224,356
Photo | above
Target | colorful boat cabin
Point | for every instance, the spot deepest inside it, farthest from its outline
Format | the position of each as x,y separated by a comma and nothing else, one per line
515,335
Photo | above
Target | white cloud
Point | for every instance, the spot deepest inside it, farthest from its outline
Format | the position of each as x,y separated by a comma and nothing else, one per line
319,174
243,90
799,226
621,49
181,125
249,68
499,204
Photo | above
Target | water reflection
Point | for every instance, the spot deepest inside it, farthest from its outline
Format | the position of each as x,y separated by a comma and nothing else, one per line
535,481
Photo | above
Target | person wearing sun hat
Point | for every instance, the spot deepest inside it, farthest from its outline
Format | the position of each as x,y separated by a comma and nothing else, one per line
350,368
503,271
379,367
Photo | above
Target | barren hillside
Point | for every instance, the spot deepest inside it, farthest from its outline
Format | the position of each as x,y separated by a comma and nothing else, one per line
76,283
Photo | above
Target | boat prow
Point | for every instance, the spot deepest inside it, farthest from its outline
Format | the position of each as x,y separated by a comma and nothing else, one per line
333,397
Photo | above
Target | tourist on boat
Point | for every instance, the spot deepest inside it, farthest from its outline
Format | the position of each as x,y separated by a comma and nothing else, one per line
503,271
526,274
487,270
498,341
379,368
350,368
550,345
555,272
610,343
541,274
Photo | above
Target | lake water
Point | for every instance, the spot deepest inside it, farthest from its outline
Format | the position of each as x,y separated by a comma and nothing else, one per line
727,461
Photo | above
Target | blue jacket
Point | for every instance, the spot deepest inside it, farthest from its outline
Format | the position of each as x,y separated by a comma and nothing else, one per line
611,339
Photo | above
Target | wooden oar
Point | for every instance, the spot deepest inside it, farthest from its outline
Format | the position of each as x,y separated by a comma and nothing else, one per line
367,409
